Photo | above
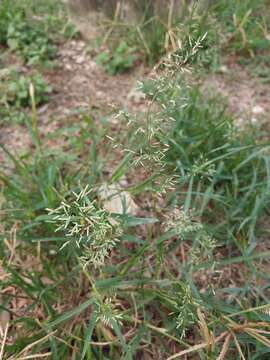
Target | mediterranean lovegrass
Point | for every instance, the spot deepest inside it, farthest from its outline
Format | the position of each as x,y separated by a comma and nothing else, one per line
172,260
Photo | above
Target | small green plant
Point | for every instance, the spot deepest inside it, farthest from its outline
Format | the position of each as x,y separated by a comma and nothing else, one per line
15,89
25,34
121,60
5,16
214,159
29,40
15,97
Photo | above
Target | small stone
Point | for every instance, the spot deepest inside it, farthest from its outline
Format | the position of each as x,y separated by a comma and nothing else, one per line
68,67
257,110
117,200
254,120
224,69
80,60
80,45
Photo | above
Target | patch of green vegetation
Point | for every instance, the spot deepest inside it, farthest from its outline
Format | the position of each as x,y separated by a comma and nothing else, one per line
4,20
258,67
121,60
31,30
25,36
246,25
219,164
156,36
233,27
150,35
30,41
15,94
15,89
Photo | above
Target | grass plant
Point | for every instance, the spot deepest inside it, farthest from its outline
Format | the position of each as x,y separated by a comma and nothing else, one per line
183,276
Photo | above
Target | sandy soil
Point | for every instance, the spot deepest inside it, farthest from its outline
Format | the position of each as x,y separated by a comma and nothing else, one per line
79,83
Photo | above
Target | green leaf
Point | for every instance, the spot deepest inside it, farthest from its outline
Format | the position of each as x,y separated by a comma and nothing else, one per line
120,170
70,314
130,221
13,44
88,334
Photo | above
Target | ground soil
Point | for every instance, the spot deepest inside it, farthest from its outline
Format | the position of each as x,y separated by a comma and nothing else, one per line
79,83
247,96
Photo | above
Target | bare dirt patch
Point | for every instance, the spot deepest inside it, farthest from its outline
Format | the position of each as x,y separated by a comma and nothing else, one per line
247,97
78,83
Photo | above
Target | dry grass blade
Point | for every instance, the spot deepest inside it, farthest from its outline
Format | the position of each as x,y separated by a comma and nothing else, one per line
116,16
143,40
208,336
225,348
4,316
259,331
254,333
30,346
238,347
36,356
197,347
4,341
257,308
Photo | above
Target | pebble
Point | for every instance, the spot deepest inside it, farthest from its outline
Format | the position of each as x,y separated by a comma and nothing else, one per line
254,120
224,69
80,60
257,110
80,45
68,66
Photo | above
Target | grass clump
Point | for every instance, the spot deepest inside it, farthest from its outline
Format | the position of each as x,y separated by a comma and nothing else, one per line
113,272
245,23
220,165
183,274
